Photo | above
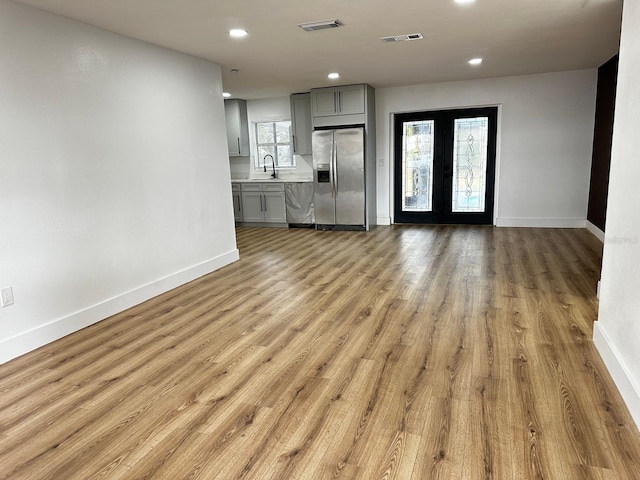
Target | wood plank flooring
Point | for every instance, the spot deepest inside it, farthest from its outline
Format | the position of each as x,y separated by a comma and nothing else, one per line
407,352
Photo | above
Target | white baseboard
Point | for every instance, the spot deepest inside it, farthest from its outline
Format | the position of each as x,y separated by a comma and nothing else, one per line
25,342
599,234
538,222
383,221
619,372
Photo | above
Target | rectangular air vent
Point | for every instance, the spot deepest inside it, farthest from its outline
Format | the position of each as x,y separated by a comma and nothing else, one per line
402,38
313,26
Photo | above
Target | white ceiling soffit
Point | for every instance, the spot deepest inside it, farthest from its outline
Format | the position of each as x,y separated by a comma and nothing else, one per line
514,37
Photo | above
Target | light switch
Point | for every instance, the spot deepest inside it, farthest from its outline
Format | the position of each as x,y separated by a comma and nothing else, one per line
6,297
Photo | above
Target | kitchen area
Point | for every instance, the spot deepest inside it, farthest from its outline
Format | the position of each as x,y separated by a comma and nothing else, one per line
307,160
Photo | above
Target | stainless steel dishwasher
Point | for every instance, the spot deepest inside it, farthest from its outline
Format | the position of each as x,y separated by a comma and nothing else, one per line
299,202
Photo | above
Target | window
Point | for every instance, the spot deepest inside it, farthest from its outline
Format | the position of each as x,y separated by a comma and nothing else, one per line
274,138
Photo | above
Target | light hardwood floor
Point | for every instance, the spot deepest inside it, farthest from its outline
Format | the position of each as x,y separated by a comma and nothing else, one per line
409,352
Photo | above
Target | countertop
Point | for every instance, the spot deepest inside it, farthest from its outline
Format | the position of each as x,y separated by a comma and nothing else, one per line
284,179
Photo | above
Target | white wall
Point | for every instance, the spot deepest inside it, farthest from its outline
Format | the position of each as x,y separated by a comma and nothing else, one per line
617,331
114,176
269,110
544,142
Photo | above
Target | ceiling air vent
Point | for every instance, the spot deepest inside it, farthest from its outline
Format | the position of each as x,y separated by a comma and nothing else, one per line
403,38
313,26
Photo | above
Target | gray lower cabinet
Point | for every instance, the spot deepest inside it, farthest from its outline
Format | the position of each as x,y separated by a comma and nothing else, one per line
274,207
253,210
263,203
237,202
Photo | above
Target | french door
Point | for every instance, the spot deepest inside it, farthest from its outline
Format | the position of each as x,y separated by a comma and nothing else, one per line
444,166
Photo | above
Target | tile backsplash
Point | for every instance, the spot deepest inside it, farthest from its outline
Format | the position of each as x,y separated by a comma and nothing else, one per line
242,168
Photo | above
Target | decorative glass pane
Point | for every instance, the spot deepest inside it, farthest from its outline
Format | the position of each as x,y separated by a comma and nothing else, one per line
417,165
470,141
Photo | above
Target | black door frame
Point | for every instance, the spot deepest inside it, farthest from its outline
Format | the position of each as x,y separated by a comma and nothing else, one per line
443,167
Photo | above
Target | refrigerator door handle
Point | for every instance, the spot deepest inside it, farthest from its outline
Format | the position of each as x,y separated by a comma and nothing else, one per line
335,166
332,166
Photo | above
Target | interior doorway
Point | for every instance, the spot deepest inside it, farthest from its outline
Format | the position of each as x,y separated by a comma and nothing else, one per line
444,166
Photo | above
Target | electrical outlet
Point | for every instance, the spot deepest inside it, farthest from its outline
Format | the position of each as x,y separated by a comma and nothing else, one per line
6,297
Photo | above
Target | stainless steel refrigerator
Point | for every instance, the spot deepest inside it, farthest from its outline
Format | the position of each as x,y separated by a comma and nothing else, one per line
339,178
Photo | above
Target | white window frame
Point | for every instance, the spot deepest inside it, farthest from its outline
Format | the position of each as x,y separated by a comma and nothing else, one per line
259,163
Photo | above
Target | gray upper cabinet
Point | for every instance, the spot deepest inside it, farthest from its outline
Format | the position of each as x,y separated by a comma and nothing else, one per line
351,99
345,100
324,101
301,123
338,106
237,127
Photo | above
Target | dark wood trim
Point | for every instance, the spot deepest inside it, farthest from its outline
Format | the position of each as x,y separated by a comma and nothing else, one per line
602,137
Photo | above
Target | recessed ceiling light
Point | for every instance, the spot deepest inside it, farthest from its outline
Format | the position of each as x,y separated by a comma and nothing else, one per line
464,1
475,61
238,33
333,75
226,94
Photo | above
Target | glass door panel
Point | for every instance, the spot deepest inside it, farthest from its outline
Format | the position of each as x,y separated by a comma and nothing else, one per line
417,165
470,145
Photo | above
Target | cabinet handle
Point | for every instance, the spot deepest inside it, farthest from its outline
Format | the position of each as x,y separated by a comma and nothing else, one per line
295,149
265,202
239,152
339,102
261,203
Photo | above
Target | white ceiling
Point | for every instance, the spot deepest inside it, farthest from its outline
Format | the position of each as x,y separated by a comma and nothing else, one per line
277,58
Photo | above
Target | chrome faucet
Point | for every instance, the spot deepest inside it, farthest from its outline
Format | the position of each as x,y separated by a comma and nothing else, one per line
273,163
